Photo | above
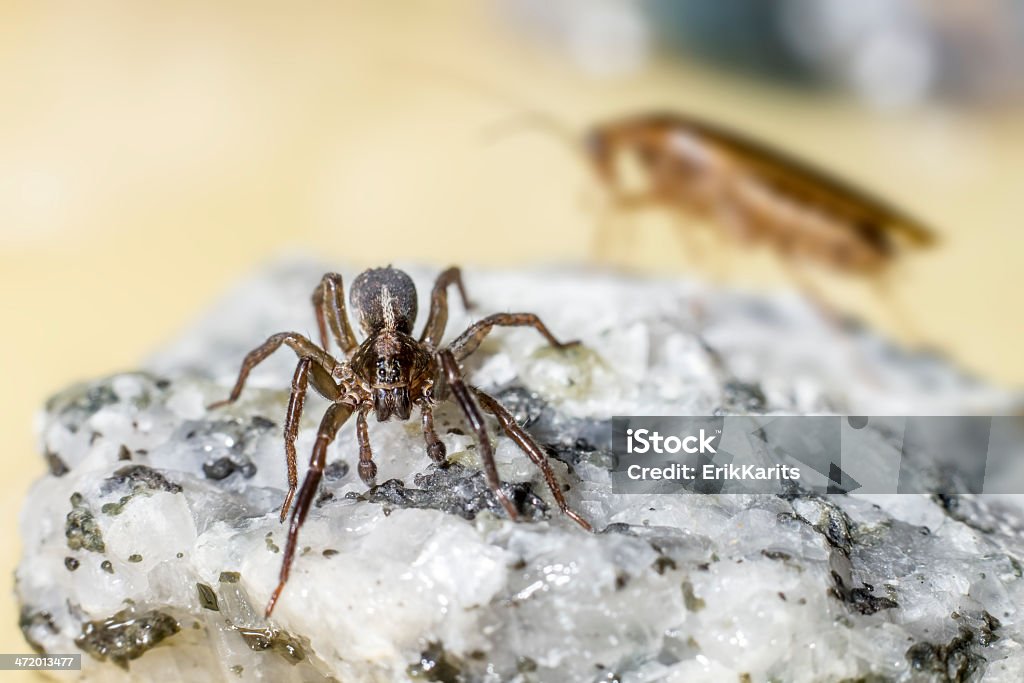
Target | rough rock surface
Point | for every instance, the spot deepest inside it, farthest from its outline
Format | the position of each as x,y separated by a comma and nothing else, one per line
154,543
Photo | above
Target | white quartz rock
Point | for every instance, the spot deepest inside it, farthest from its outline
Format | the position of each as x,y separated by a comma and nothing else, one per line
154,543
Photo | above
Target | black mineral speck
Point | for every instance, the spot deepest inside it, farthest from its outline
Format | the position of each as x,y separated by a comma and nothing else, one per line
336,470
954,661
35,625
690,599
437,665
663,563
526,406
229,444
126,635
275,641
81,402
456,490
742,397
106,566
115,508
57,467
525,665
71,563
225,466
80,527
135,557
230,577
138,478
262,423
271,546
978,512
862,599
207,597
776,555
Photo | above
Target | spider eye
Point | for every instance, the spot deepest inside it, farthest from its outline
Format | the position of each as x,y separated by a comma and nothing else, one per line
388,370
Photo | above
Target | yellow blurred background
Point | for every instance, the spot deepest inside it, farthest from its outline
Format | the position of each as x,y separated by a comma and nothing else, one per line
152,153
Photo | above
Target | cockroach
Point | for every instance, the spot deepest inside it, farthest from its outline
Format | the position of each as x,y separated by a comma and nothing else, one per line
755,193
748,189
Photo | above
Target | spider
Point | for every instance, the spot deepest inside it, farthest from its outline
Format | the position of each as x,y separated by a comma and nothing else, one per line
390,373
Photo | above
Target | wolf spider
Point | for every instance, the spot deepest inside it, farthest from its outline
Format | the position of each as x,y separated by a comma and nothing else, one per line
390,372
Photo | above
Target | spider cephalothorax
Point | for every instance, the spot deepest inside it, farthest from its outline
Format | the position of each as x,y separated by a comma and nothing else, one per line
390,373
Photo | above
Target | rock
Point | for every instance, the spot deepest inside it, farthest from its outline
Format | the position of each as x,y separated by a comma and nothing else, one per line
153,543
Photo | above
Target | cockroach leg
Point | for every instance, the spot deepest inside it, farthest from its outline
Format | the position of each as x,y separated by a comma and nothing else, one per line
904,321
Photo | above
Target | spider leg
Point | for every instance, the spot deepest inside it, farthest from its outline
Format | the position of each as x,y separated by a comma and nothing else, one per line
329,304
367,467
302,346
435,447
326,387
532,449
332,421
469,340
433,330
476,420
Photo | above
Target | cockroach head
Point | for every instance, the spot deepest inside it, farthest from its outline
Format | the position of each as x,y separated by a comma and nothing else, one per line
595,144
384,299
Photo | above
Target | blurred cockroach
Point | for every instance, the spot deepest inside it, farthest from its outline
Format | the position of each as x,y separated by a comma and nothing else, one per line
742,188
752,192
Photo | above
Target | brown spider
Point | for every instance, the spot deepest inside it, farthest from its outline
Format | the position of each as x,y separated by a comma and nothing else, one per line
390,372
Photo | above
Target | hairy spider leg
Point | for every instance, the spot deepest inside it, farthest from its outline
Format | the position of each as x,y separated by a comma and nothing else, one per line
311,366
293,415
329,304
323,363
433,330
435,447
468,341
367,467
532,449
476,421
333,419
